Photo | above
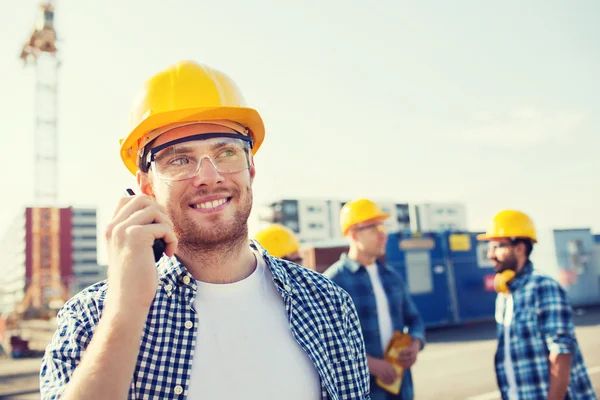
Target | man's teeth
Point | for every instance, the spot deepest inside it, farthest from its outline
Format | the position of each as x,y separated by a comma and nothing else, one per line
211,204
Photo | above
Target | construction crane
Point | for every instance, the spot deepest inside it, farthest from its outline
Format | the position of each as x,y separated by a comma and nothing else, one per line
40,51
44,287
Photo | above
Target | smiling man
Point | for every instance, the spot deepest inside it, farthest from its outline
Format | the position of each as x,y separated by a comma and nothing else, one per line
217,317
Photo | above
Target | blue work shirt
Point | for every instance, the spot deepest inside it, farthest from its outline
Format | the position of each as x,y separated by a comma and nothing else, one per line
354,279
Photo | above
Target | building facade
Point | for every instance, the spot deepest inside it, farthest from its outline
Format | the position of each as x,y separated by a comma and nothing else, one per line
435,217
316,220
52,254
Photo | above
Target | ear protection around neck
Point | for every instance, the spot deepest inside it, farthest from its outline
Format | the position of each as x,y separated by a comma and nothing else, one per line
502,279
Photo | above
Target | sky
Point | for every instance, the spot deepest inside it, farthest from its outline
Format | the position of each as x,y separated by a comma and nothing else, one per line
492,104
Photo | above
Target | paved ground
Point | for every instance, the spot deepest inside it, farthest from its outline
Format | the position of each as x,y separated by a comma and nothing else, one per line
456,364
19,379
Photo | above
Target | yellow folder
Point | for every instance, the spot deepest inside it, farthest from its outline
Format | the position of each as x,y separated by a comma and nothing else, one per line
397,343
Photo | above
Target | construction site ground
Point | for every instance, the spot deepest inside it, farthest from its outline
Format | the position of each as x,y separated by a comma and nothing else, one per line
456,364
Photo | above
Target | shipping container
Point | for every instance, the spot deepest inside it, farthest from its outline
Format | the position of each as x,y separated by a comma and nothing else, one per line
420,260
578,268
447,274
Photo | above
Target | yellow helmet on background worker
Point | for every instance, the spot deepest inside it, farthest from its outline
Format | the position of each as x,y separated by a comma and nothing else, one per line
510,224
187,92
360,210
278,240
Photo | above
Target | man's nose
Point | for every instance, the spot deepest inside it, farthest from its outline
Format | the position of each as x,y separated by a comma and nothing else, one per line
208,174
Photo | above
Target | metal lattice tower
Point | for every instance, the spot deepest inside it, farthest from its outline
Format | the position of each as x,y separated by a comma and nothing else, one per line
40,51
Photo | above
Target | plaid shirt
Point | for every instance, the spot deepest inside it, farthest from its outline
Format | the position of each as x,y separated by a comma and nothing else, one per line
321,316
542,323
354,278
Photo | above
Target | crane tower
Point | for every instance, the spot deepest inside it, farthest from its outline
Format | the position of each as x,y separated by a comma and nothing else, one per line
44,285
40,51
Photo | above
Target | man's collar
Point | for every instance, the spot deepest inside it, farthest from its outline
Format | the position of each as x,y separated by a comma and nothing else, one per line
353,265
171,272
522,276
275,265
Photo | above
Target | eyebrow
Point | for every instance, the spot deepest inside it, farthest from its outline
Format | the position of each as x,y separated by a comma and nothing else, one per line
180,150
185,149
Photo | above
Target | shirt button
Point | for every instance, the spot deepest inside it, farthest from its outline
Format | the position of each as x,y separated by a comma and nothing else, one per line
287,288
188,324
168,288
186,279
178,389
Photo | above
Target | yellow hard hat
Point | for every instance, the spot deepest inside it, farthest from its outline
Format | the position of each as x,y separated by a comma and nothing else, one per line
510,224
278,240
357,211
186,92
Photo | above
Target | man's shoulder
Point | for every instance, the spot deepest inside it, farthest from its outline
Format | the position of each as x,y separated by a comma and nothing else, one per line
312,282
542,281
89,301
337,271
542,287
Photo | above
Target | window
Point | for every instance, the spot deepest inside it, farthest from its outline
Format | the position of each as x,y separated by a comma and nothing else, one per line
418,272
482,260
86,226
85,249
88,261
290,209
86,273
84,213
293,225
84,237
315,225
314,209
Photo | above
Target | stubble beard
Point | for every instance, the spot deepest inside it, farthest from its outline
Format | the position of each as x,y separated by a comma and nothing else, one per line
218,236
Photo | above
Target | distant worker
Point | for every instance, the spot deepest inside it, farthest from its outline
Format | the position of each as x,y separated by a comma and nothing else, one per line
281,242
537,356
380,295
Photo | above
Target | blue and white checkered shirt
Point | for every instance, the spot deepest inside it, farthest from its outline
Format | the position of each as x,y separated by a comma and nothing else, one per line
322,318
542,323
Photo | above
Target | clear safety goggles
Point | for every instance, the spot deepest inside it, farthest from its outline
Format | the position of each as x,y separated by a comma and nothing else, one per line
182,158
375,227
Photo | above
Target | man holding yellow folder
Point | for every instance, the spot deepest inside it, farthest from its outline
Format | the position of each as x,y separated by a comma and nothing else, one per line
384,306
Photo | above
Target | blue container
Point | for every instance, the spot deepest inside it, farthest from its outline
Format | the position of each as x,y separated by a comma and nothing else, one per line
419,258
578,271
447,274
473,276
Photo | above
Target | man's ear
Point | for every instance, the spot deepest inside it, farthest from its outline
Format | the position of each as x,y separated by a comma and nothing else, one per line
351,234
521,249
144,183
252,169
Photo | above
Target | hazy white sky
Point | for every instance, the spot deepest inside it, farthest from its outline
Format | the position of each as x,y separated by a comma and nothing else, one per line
491,104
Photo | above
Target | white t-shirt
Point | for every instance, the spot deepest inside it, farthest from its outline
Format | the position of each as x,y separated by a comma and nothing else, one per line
504,316
386,330
244,348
